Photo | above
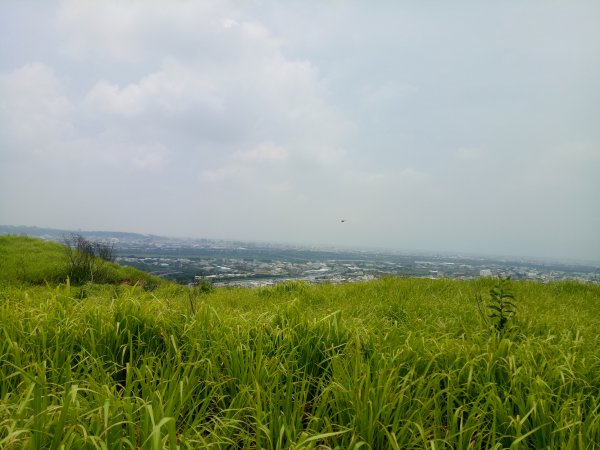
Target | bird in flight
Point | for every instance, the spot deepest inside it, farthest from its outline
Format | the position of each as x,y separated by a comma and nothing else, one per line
343,220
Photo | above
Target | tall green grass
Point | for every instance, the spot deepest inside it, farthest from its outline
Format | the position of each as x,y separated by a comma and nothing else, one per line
393,363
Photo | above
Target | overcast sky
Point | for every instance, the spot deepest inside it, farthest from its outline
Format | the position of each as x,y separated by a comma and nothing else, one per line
441,126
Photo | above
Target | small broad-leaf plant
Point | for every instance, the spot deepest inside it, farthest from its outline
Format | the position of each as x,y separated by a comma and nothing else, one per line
501,307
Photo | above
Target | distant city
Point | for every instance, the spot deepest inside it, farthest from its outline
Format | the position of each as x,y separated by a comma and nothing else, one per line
247,264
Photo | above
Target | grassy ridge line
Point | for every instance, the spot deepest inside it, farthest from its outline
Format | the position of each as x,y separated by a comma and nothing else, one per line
33,261
387,364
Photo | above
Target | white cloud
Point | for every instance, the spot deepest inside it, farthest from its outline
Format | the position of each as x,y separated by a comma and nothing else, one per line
39,122
134,30
388,94
582,153
220,76
304,111
261,168
364,179
237,90
324,155
248,181
412,175
34,109
568,167
228,23
149,157
174,90
264,152
222,174
469,153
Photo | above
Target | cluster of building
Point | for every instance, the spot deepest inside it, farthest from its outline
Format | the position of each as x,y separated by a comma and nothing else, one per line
234,263
253,272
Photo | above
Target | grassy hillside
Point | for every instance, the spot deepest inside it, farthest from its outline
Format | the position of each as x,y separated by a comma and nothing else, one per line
395,363
33,261
29,260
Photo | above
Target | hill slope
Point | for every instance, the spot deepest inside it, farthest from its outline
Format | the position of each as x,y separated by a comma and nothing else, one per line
33,261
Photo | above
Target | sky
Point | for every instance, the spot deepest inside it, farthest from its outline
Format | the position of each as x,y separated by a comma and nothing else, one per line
456,127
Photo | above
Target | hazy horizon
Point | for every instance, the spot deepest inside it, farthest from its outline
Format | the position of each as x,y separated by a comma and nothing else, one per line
451,128
339,247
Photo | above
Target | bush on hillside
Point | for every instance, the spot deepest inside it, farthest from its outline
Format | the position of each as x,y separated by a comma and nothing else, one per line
85,258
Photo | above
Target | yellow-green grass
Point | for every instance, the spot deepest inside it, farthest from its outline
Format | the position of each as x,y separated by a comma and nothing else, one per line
26,260
393,363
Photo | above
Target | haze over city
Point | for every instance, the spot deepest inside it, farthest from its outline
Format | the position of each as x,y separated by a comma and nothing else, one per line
459,127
